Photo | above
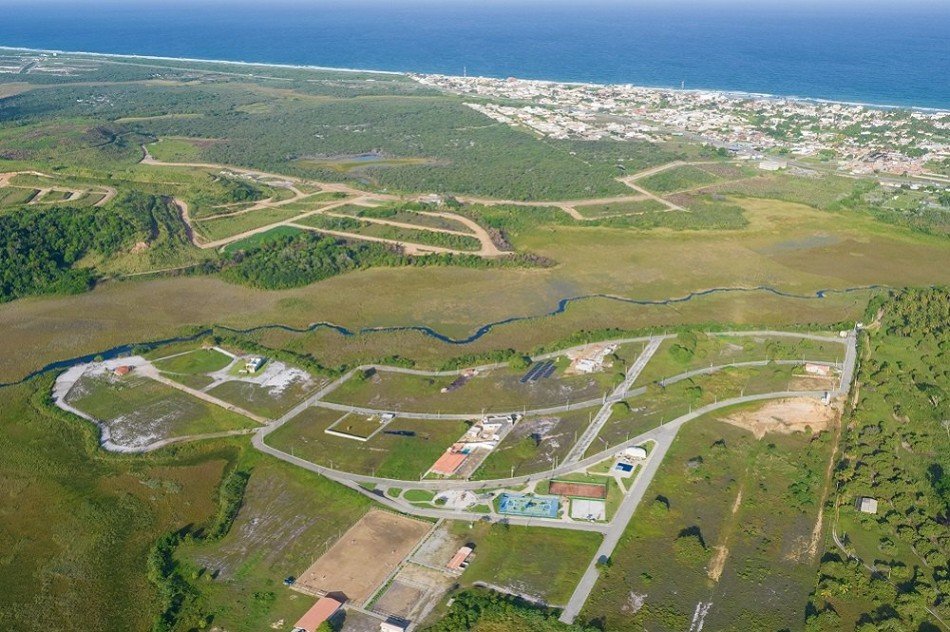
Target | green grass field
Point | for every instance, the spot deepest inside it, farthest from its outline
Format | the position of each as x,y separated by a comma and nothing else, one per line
542,562
194,362
660,405
394,233
78,525
693,351
620,208
404,216
221,228
678,179
497,390
405,450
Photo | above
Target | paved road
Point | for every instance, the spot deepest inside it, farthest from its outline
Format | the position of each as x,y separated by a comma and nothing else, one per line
631,501
437,485
550,410
593,429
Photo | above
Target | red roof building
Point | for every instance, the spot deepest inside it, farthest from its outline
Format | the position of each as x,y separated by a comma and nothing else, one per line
325,608
459,558
448,463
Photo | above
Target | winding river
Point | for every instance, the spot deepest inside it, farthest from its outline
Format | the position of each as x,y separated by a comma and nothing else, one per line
561,307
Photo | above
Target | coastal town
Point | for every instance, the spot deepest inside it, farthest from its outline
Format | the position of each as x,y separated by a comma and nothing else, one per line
859,139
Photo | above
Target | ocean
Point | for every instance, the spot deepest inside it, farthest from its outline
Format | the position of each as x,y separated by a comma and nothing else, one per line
888,53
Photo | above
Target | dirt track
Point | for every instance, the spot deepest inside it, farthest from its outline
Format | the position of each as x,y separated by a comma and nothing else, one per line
488,247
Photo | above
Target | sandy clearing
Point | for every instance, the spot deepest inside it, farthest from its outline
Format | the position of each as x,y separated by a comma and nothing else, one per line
718,562
786,416
364,556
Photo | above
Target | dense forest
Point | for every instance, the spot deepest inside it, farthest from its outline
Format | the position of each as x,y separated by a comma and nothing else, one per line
485,610
39,248
889,570
286,261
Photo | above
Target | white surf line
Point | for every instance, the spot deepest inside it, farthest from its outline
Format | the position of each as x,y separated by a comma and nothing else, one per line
579,448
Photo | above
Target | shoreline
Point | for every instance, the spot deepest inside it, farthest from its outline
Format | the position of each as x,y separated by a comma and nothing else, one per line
739,94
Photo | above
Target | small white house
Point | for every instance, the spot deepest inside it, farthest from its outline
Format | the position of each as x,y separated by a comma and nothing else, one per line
253,364
867,505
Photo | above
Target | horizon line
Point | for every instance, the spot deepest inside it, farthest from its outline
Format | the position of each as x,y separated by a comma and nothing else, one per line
737,93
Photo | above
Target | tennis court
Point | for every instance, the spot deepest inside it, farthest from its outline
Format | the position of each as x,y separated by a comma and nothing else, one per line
530,506
574,489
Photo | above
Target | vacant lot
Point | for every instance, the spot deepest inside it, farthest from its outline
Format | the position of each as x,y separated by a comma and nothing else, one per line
678,179
662,404
498,390
725,530
693,350
264,399
289,518
366,554
77,526
535,443
138,411
539,562
634,207
405,449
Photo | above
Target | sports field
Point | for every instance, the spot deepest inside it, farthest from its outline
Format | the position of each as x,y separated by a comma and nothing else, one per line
578,490
526,505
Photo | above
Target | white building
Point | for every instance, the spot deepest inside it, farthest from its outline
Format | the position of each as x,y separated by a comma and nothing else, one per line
635,452
253,364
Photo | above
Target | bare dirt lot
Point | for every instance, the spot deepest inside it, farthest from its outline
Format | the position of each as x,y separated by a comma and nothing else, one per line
438,548
365,555
414,590
786,416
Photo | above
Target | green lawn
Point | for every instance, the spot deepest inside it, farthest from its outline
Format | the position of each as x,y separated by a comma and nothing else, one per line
195,362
